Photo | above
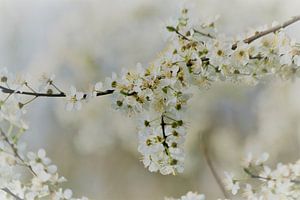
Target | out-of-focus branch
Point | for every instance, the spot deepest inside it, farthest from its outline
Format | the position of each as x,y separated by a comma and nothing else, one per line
268,31
214,172
211,166
11,194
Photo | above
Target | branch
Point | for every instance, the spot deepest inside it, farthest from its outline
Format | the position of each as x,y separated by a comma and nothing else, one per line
252,175
211,166
15,152
37,94
214,172
234,46
10,193
204,34
268,31
165,144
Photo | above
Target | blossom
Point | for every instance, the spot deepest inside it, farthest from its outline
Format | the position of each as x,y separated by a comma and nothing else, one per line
240,56
62,194
111,82
74,99
218,53
45,83
247,161
41,165
230,183
263,158
190,196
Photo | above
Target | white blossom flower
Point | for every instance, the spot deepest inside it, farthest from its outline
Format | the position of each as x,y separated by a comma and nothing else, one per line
218,53
247,161
230,183
98,86
240,56
263,158
45,83
74,99
190,196
111,82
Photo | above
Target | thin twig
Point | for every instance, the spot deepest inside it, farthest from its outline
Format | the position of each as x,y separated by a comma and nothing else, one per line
183,36
10,193
252,175
15,152
29,101
51,83
268,31
204,34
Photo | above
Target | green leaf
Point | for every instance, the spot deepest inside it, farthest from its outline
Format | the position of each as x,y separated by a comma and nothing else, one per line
171,28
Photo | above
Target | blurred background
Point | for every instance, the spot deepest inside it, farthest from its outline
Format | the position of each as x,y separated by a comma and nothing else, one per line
83,41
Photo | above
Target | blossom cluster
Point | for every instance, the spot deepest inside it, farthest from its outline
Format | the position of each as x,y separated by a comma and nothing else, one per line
161,144
44,181
263,182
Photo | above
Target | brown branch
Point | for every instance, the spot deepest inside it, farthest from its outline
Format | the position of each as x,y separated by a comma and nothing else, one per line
37,94
268,31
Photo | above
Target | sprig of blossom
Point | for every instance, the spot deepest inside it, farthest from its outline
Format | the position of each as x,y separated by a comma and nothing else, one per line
44,182
161,144
263,182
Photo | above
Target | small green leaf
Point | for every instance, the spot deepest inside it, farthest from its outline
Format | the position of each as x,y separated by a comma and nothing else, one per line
171,28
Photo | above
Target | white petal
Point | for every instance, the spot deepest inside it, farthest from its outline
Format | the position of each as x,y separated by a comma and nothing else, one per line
73,90
79,95
99,86
68,194
41,153
69,106
52,169
78,105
